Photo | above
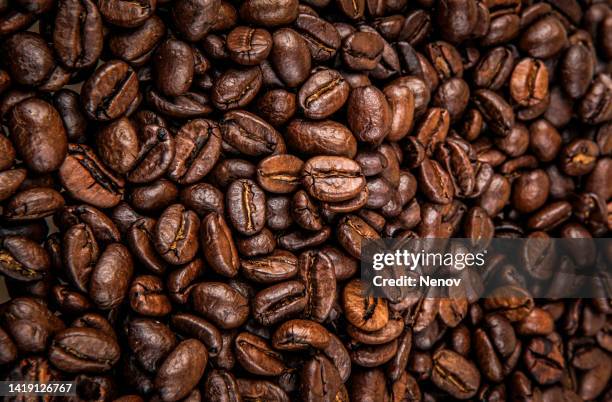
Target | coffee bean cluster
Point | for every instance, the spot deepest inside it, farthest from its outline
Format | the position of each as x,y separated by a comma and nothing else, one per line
186,185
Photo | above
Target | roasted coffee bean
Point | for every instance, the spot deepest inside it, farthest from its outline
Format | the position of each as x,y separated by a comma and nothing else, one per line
83,350
277,106
248,46
246,206
35,203
323,94
236,88
279,173
126,15
175,59
199,328
300,335
365,312
153,197
221,304
292,70
110,91
454,374
256,356
118,145
198,145
496,111
181,370
218,245
329,178
369,114
321,36
194,18
147,296
176,234
259,12
28,58
325,137
362,50
38,135
87,179
110,278
136,46
529,82
279,302
278,266
78,33
22,259
203,198
250,134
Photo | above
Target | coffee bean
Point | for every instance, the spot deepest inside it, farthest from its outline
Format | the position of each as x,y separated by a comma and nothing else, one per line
38,135
176,234
110,91
332,178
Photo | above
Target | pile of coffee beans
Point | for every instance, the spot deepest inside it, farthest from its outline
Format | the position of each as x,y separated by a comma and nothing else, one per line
185,187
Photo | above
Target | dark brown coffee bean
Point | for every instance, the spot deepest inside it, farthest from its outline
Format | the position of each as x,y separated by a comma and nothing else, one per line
435,182
136,46
28,58
236,88
329,178
199,328
181,370
369,114
38,135
255,355
218,245
352,232
278,266
23,259
153,197
362,50
176,234
279,173
173,67
536,45
220,303
110,91
35,203
249,46
578,157
87,179
250,135
454,374
84,349
141,243
325,137
496,111
78,39
259,12
126,14
292,70
277,106
194,18
323,94
321,36
246,206
203,198
365,312
110,278
300,335
147,297
198,145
